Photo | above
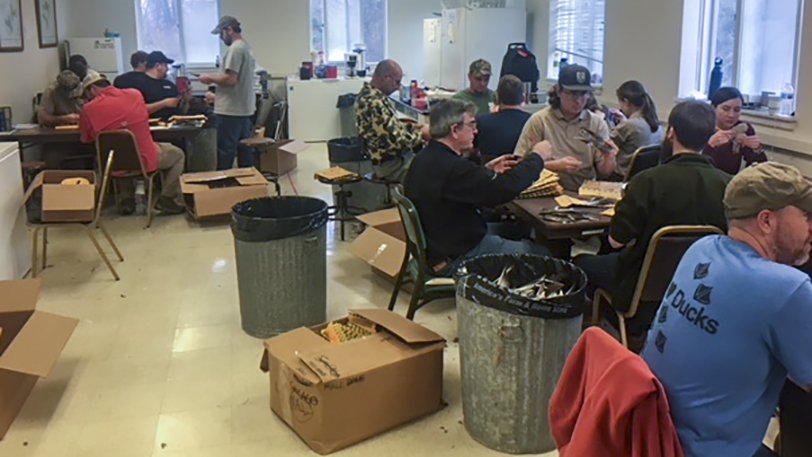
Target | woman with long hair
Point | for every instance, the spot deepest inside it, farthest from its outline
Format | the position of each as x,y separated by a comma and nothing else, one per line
734,140
638,124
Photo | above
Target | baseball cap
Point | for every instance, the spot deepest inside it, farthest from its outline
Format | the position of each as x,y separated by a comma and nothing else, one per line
67,80
480,67
574,77
92,77
768,185
225,21
158,57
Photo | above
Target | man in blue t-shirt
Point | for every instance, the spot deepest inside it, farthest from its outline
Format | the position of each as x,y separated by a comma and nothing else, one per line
498,133
736,320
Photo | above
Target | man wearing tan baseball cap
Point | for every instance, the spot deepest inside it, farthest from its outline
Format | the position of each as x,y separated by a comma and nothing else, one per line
477,92
736,321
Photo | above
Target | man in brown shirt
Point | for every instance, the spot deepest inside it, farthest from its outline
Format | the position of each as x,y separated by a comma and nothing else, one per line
61,101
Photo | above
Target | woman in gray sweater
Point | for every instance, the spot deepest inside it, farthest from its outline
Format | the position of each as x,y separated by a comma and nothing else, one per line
638,125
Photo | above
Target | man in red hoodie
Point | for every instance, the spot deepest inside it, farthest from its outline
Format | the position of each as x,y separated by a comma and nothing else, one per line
110,108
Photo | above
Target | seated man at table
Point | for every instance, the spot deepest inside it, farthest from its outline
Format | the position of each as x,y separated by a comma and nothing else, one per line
561,123
737,319
138,61
161,94
685,190
499,132
389,141
110,108
449,190
477,92
61,101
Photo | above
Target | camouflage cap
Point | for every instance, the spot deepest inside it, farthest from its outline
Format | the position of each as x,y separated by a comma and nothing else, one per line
67,80
480,67
225,21
766,186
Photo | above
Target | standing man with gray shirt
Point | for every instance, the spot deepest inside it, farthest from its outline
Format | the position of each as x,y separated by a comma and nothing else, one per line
235,102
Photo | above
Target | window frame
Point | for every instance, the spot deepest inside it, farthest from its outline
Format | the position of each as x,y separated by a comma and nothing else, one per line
707,36
325,34
181,37
552,48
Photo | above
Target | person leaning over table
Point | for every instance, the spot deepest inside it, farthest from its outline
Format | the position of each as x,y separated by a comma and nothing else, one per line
235,102
110,108
61,101
734,140
736,321
638,126
561,123
388,140
685,190
449,191
477,92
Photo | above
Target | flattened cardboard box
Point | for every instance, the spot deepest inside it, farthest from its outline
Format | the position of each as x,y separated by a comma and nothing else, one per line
30,344
335,395
383,244
61,202
214,193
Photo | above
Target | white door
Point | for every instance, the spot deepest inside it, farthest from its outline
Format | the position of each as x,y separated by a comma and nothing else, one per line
432,55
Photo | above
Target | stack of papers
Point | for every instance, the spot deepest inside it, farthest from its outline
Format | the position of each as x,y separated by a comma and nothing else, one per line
193,121
548,185
335,174
602,189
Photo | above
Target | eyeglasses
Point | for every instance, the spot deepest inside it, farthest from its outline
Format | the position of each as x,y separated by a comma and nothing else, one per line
471,124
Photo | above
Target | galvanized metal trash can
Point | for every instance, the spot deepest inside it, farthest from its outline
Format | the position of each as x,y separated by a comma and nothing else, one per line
513,348
281,252
203,155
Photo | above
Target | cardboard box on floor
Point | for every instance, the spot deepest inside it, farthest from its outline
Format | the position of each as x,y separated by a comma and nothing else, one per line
30,344
65,202
383,244
213,193
277,157
335,395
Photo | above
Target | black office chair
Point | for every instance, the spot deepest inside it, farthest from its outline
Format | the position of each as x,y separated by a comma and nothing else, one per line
644,157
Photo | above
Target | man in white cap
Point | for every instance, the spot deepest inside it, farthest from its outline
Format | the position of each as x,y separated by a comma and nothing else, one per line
235,102
736,321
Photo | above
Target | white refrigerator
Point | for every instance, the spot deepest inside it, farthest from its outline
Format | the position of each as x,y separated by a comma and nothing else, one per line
15,247
477,33
432,54
102,54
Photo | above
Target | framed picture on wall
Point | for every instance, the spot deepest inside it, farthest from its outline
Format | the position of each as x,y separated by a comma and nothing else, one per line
11,26
46,22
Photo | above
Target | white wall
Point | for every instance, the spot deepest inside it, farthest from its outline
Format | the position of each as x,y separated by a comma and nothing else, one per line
25,73
406,33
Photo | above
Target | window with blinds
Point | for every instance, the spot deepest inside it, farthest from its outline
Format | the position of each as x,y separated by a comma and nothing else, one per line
577,35
336,26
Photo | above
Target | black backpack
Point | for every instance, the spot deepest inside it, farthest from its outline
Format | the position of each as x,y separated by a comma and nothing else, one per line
519,61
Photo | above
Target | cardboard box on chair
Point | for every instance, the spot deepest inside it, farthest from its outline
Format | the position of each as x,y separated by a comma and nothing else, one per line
65,202
337,394
30,344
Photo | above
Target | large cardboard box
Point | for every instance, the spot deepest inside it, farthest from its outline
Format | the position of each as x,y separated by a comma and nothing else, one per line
30,344
213,193
337,394
383,244
280,157
65,202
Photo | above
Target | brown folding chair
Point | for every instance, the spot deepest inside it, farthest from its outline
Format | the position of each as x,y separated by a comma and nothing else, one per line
665,250
128,163
644,157
88,226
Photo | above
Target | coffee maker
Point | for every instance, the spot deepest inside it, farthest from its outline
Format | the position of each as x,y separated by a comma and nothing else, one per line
361,63
351,59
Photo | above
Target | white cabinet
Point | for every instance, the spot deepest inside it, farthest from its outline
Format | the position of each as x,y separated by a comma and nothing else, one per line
15,247
312,112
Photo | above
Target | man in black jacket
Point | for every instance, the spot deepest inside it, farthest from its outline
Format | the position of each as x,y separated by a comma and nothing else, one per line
449,190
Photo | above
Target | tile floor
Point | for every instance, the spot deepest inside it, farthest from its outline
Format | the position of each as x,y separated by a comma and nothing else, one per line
159,367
